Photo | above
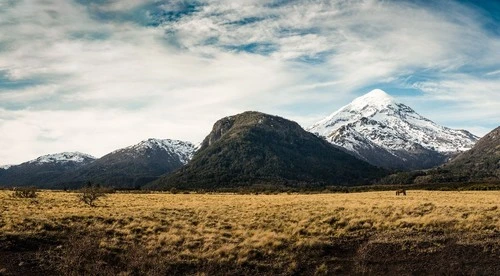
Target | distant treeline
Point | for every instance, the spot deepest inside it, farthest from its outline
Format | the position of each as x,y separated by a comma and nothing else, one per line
356,189
454,186
269,189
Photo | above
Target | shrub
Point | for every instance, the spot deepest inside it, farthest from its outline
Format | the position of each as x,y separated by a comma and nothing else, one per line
91,193
25,192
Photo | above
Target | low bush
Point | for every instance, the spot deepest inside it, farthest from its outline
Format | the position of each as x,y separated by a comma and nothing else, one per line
91,193
25,192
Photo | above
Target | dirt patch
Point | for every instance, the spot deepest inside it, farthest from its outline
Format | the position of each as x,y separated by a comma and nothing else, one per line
430,255
391,254
19,255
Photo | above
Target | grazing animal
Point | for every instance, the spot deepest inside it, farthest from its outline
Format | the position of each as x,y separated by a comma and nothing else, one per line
401,192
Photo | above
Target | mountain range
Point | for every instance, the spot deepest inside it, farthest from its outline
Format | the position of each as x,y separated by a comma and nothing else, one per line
134,166
349,147
44,169
130,167
254,149
386,133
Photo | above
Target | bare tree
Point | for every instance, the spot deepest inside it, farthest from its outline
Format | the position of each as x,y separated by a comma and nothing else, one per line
91,193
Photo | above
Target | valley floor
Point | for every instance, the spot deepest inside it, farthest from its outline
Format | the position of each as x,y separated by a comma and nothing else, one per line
425,232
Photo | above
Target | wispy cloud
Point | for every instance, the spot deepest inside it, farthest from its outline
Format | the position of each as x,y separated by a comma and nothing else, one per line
493,73
96,75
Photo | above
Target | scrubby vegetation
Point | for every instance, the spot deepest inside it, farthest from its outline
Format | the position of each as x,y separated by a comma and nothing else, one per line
161,233
25,192
91,193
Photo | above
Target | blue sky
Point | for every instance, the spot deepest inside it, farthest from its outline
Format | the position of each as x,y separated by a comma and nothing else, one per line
94,76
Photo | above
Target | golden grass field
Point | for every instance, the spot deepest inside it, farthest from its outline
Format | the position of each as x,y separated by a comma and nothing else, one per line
268,234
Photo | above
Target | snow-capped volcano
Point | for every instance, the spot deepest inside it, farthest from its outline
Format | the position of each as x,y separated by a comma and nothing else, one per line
63,157
377,128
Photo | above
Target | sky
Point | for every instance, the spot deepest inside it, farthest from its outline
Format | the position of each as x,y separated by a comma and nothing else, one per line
97,75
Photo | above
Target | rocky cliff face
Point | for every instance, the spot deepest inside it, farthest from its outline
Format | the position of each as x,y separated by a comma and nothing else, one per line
219,129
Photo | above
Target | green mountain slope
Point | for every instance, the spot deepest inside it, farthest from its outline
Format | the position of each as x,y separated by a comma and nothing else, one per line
253,148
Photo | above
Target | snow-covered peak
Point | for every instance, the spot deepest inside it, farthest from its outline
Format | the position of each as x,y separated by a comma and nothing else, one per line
376,97
389,124
5,167
183,149
375,101
63,157
367,105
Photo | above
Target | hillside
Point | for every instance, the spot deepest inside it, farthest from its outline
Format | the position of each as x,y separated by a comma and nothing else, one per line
479,164
253,149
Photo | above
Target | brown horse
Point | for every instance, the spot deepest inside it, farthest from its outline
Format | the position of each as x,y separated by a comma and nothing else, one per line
401,192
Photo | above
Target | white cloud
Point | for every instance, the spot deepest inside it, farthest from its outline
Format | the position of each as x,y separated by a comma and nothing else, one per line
103,83
474,100
492,73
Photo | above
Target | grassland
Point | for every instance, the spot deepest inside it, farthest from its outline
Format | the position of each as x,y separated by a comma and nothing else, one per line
429,232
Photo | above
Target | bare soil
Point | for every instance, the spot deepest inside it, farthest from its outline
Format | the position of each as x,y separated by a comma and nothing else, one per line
377,254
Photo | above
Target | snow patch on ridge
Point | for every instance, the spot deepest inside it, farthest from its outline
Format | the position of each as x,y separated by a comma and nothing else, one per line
185,150
62,157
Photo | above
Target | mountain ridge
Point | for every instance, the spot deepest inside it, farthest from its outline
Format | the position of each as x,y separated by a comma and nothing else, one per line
481,164
133,166
128,167
44,169
75,156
